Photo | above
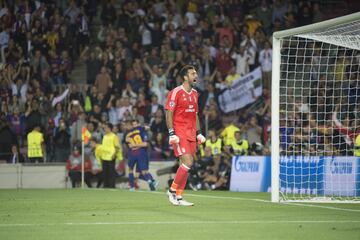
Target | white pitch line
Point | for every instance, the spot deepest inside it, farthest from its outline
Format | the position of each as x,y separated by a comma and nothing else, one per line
254,200
177,222
265,201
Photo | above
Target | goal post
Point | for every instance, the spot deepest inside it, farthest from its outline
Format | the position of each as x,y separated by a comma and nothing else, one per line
315,96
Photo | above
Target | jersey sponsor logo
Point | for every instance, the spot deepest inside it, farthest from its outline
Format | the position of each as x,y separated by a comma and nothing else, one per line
190,110
191,106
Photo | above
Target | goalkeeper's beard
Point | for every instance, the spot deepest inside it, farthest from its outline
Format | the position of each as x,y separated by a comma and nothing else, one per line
193,83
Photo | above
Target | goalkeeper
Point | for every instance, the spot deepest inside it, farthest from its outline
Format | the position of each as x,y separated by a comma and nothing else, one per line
184,130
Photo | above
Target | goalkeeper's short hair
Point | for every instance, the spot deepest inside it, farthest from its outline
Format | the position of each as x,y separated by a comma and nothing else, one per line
184,70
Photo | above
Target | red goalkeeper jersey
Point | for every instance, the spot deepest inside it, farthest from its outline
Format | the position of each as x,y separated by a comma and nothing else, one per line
185,107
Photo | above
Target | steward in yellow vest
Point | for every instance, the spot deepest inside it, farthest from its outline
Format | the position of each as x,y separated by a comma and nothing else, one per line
215,145
213,142
240,146
110,147
35,141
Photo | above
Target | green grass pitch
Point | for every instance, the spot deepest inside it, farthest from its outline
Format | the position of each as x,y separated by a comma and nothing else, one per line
119,214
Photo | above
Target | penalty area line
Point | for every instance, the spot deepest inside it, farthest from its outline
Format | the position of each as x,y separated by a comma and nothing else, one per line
265,201
254,200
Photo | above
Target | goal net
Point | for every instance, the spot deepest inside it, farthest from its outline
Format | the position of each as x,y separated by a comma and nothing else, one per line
316,112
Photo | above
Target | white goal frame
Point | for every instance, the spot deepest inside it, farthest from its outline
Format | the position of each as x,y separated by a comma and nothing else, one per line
275,97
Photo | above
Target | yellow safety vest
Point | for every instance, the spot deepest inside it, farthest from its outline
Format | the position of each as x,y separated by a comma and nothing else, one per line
98,152
215,147
357,146
228,134
109,143
35,139
119,154
240,148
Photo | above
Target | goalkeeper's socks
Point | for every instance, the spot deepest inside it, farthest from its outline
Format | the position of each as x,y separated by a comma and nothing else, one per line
180,179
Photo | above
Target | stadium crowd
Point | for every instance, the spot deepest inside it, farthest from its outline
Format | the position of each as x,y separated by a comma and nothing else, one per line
132,60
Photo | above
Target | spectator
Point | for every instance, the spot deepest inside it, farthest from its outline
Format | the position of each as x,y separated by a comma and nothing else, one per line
7,140
241,58
231,76
265,59
264,13
158,124
16,156
157,80
223,62
152,108
17,123
76,128
103,81
33,116
160,149
92,65
62,141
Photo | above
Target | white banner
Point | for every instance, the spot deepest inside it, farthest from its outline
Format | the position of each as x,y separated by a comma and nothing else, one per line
243,91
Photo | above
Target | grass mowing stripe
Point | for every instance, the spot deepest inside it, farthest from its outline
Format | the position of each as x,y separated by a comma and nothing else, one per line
176,222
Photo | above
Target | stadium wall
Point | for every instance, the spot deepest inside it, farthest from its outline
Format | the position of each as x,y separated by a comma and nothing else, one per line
50,176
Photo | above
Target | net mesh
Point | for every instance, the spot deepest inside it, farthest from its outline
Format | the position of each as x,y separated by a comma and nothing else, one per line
320,114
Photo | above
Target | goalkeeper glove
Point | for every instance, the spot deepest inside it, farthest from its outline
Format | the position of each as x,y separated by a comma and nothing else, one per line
173,139
200,138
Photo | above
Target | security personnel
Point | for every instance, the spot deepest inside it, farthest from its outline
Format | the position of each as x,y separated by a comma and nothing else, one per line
96,161
110,147
357,146
35,141
240,146
228,134
214,142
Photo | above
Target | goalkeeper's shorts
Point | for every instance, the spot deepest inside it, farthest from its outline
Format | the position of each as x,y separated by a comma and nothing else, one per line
184,147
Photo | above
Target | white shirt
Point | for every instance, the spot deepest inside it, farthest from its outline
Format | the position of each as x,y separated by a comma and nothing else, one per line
251,49
242,63
23,90
4,38
192,21
121,111
165,24
265,59
145,34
